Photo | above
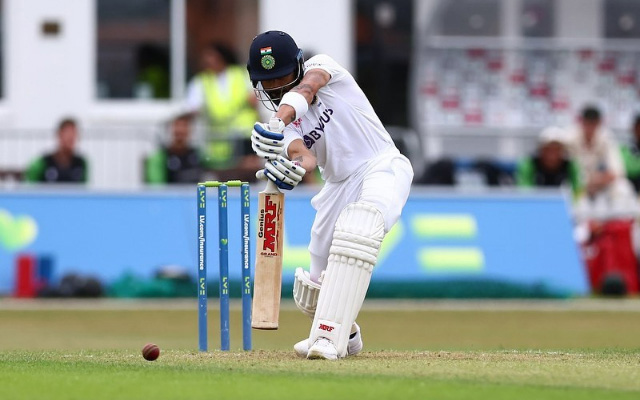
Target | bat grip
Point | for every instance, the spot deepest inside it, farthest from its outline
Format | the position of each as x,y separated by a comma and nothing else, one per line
271,187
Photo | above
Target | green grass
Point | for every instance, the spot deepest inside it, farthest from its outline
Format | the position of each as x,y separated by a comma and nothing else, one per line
425,354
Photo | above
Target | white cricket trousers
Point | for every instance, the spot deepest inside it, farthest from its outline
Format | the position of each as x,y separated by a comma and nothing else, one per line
383,182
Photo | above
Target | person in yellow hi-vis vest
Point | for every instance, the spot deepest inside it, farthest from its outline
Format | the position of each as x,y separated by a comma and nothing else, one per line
223,95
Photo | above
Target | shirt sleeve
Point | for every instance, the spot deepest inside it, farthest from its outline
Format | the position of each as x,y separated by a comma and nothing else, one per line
574,176
156,171
195,96
328,64
631,162
35,171
524,173
291,133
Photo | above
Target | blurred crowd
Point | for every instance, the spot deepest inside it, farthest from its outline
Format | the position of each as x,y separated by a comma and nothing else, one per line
603,178
586,158
601,174
219,99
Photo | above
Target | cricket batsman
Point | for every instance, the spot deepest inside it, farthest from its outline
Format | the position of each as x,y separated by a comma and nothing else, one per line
328,122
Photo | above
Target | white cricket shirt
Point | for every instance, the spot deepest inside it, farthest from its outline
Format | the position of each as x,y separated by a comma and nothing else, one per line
341,128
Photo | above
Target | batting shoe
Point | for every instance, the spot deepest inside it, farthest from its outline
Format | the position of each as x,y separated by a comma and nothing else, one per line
353,347
322,349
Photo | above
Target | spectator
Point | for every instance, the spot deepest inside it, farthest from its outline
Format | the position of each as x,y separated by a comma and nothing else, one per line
178,162
598,158
631,156
222,92
63,165
550,165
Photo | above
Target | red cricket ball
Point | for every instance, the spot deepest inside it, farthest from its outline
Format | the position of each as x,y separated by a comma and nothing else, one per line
150,352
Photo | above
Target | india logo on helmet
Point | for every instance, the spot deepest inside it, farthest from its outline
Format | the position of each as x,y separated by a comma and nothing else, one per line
268,61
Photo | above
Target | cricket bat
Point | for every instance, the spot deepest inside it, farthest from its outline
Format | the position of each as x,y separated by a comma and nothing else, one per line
268,269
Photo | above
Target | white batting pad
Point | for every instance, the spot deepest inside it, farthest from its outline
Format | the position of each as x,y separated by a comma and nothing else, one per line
305,292
357,237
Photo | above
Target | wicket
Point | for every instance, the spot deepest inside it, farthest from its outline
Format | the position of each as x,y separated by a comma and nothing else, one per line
223,251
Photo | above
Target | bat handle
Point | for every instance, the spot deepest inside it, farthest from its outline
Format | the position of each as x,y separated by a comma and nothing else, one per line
271,187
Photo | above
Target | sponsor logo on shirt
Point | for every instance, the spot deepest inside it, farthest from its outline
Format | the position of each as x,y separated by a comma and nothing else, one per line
312,137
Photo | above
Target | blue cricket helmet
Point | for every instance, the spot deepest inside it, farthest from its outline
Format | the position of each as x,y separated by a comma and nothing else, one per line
272,55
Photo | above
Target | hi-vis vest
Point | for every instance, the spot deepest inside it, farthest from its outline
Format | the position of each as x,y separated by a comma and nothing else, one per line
229,113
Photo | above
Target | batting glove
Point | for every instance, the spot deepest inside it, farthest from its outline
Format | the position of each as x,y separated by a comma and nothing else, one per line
284,173
267,140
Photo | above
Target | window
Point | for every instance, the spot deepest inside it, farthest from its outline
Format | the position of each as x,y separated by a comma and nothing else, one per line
536,18
471,18
133,49
622,19
232,23
383,40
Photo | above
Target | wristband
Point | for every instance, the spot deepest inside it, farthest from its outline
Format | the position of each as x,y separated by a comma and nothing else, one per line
297,101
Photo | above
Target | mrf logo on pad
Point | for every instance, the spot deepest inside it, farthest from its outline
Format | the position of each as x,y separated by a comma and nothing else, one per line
324,327
268,227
